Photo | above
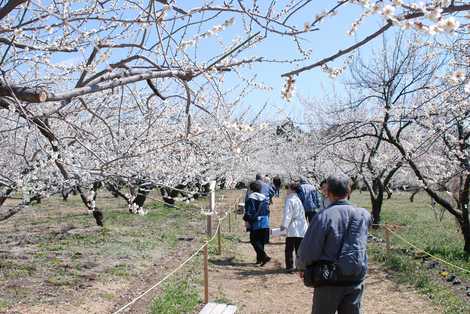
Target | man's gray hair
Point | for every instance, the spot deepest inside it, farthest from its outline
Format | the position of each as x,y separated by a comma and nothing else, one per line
338,185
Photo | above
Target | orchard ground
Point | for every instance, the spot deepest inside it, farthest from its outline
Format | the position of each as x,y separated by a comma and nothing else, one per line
53,260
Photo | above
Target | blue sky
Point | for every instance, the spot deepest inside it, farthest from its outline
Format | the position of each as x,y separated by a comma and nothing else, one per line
314,83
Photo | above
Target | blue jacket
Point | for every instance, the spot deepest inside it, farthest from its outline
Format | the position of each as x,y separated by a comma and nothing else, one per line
322,241
266,189
256,211
308,195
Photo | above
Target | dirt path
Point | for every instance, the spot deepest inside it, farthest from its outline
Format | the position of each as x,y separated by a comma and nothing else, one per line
235,279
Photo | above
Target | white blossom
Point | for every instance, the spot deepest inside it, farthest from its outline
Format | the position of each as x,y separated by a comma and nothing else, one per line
449,24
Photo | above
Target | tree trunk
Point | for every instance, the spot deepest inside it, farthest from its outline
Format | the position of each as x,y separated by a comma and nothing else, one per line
389,192
376,210
5,196
65,194
466,237
377,201
90,204
412,197
464,203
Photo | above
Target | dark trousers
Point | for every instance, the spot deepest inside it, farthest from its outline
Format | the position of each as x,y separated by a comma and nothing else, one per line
292,244
345,300
258,238
309,215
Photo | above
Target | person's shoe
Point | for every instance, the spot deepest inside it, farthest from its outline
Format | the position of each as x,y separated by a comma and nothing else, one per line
290,270
267,259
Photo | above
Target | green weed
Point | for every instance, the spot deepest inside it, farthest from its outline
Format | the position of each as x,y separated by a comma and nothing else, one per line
120,270
3,304
12,270
177,298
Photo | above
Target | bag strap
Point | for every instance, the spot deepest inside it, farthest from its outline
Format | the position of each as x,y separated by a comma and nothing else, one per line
344,237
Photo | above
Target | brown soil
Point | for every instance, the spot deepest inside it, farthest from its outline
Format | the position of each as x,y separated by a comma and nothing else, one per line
46,271
235,279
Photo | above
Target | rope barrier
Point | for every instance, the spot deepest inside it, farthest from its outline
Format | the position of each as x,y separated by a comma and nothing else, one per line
171,205
423,251
177,268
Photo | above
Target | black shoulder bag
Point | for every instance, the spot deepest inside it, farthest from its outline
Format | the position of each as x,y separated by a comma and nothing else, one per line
327,273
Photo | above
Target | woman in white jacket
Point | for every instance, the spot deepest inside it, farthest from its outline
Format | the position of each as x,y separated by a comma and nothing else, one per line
294,223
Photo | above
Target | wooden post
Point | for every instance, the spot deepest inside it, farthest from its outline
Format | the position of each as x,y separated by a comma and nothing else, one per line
206,275
229,221
219,240
209,226
387,241
211,207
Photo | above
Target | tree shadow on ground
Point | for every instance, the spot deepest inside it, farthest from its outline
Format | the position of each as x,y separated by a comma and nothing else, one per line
230,261
262,272
276,243
269,243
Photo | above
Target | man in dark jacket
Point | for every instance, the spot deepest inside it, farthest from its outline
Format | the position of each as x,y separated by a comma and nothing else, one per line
338,234
277,185
308,195
266,189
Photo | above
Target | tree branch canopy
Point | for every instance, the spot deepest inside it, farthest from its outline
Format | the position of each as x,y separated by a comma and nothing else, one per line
10,6
383,29
27,94
39,94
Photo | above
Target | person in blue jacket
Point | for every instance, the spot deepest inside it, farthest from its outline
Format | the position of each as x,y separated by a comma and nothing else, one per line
321,196
257,221
308,195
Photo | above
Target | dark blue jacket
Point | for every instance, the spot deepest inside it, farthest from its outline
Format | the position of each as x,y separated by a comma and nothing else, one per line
267,190
256,211
308,195
324,236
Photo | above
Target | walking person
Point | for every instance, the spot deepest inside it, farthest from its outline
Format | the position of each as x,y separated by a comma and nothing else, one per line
322,196
308,195
294,222
266,189
335,248
277,185
256,218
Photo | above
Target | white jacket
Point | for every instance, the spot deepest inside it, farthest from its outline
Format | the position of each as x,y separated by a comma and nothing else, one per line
294,217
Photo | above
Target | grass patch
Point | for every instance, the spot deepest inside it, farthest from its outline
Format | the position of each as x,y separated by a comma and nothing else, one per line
227,242
11,270
120,270
222,298
62,279
409,271
420,225
108,296
177,297
3,304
